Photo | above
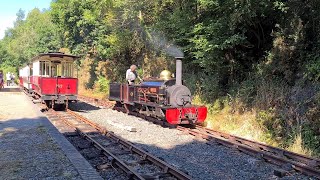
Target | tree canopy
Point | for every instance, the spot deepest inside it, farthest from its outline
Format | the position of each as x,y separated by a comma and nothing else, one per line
260,53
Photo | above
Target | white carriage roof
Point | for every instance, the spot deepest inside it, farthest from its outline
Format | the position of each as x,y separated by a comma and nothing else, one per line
55,55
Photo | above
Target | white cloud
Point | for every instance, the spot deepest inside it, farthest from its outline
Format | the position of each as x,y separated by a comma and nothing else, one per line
6,22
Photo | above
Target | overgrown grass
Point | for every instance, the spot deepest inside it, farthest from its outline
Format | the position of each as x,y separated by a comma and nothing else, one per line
250,124
91,93
264,110
223,117
298,146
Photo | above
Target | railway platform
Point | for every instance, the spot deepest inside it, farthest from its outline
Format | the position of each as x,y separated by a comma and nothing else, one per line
31,147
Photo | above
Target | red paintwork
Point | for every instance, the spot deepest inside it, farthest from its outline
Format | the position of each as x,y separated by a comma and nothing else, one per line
21,81
173,115
53,85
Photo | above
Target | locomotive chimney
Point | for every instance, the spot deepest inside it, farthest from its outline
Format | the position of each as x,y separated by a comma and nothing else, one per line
179,70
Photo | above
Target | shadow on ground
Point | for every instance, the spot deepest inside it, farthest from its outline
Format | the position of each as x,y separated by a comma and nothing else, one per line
10,89
26,142
81,106
28,152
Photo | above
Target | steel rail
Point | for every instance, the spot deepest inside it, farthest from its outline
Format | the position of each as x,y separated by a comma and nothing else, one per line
313,162
271,154
115,160
306,165
166,168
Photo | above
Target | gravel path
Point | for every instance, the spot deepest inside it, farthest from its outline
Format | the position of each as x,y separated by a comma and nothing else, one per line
26,149
187,153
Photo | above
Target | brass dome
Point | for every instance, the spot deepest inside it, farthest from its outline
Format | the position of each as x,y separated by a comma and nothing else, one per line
165,75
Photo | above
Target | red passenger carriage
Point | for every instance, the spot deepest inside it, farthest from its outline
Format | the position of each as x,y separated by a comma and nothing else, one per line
50,78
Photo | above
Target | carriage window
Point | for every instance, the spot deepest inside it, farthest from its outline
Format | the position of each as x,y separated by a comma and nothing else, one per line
44,68
59,70
56,68
68,69
65,69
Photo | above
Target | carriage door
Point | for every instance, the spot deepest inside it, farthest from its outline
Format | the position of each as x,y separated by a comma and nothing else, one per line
66,85
56,68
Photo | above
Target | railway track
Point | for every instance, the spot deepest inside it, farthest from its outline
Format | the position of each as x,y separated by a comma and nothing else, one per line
292,161
97,102
288,161
107,151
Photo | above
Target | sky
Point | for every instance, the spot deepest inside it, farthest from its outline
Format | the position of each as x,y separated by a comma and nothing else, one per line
9,9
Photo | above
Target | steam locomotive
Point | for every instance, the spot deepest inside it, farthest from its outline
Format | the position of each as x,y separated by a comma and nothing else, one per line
164,98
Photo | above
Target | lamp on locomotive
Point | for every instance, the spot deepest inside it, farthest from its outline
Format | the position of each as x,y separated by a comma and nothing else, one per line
165,75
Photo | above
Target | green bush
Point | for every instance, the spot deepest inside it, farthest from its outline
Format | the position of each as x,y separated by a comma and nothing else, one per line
247,91
274,125
313,70
102,85
206,85
311,138
192,82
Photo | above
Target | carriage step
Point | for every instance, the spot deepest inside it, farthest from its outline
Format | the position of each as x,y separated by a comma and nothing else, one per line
36,101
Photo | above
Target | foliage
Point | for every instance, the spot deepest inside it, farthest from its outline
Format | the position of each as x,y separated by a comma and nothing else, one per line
251,58
34,35
313,69
102,85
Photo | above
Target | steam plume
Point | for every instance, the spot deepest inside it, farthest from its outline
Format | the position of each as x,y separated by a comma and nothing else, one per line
161,43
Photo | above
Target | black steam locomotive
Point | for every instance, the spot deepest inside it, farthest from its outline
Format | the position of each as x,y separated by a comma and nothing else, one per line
165,98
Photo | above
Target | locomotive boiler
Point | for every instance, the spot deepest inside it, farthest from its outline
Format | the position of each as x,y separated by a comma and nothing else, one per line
164,98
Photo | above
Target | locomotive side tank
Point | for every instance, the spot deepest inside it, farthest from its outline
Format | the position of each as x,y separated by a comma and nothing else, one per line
165,98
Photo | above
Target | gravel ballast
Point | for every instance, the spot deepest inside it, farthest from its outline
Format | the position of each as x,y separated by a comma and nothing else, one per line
185,152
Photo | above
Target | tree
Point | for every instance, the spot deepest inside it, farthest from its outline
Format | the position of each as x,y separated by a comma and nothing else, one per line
36,34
